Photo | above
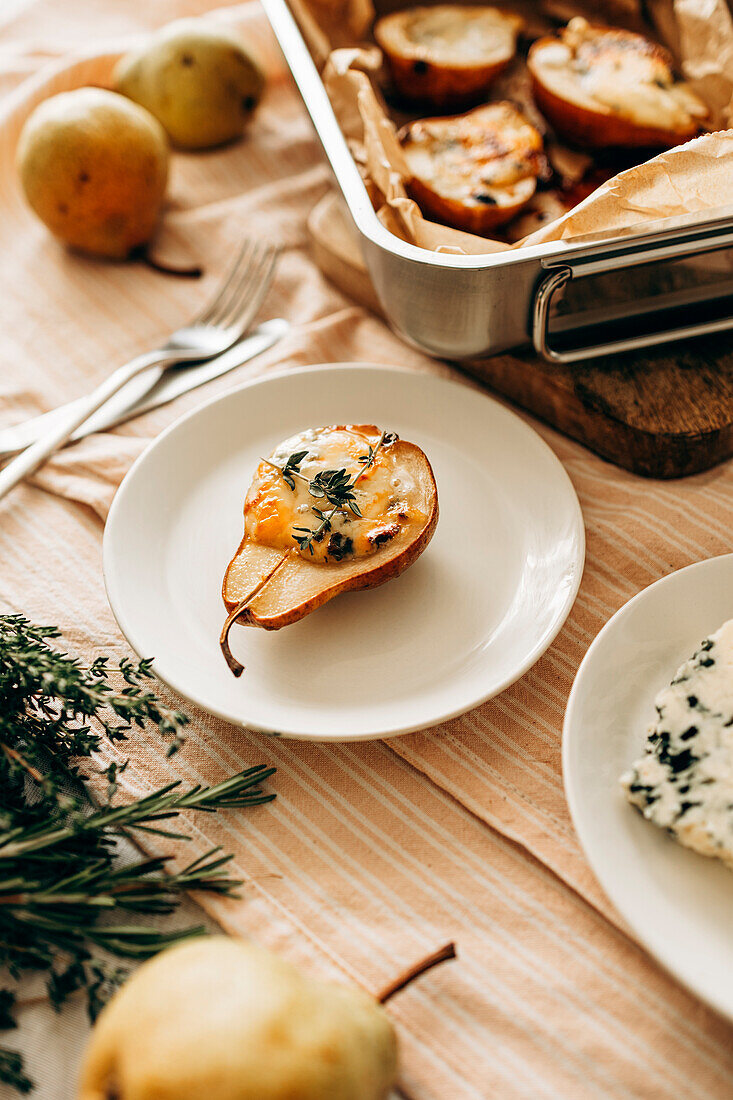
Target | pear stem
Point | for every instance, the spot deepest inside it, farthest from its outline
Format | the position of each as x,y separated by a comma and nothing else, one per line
448,951
236,666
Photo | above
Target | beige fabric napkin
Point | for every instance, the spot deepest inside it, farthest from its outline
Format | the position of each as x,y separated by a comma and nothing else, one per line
372,855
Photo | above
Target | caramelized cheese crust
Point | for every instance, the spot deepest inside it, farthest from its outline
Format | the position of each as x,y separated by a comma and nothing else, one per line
476,170
590,76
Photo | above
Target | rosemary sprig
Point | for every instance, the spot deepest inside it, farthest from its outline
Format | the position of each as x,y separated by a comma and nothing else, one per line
237,791
64,897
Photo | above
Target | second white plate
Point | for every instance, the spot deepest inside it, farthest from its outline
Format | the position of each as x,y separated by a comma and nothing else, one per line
476,610
677,903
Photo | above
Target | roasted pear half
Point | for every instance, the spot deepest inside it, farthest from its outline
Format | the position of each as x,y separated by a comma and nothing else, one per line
331,510
449,54
601,87
473,171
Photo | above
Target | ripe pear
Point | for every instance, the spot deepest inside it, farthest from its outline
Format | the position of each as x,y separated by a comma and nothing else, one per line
94,168
197,80
221,1019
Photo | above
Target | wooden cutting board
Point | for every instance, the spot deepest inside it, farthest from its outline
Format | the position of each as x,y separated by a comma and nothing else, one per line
662,413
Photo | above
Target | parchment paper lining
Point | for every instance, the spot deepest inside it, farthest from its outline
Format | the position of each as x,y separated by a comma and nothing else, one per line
687,180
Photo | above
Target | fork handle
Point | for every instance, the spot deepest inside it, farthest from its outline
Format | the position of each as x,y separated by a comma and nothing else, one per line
32,457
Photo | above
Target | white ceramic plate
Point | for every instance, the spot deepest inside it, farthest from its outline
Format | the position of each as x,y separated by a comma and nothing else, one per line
475,611
677,903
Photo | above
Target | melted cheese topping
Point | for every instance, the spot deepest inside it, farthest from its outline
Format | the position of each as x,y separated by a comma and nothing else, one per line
619,73
491,155
460,35
385,495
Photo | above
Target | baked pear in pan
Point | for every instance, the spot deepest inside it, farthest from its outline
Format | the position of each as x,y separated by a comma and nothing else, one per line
601,87
332,510
473,171
447,56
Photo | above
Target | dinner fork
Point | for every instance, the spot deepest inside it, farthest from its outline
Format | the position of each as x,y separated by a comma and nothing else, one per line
217,328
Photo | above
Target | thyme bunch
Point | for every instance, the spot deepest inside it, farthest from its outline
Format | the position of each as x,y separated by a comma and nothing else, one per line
68,907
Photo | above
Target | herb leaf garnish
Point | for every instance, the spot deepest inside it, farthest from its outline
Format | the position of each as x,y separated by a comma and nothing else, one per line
338,489
334,486
292,467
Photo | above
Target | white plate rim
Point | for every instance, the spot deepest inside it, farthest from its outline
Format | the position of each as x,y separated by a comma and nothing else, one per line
607,880
540,647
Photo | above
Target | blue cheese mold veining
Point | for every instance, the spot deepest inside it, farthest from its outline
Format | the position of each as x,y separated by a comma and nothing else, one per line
684,780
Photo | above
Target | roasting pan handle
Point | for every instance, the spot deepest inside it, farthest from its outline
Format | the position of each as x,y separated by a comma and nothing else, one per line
659,250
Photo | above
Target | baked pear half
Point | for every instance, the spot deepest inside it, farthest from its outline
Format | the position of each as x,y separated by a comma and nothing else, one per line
331,510
447,56
473,171
600,87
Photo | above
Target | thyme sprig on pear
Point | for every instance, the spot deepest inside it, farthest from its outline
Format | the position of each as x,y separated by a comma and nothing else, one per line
68,907
336,486
291,469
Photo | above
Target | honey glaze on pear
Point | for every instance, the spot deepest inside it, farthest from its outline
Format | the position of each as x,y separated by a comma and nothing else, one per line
332,509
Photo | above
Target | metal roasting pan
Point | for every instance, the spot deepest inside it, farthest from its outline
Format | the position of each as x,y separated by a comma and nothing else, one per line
572,300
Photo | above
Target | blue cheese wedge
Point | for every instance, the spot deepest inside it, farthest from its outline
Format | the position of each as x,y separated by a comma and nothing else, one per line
684,780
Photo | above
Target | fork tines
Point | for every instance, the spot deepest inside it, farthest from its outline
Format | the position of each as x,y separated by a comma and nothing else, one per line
244,289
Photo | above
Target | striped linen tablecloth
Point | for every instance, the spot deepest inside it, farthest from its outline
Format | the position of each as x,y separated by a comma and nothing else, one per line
374,854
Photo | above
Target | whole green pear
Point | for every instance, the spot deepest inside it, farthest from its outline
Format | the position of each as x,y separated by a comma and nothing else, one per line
94,167
220,1019
197,80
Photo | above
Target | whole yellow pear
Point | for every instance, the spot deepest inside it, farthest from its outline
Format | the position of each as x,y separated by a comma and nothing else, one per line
94,168
197,80
220,1019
